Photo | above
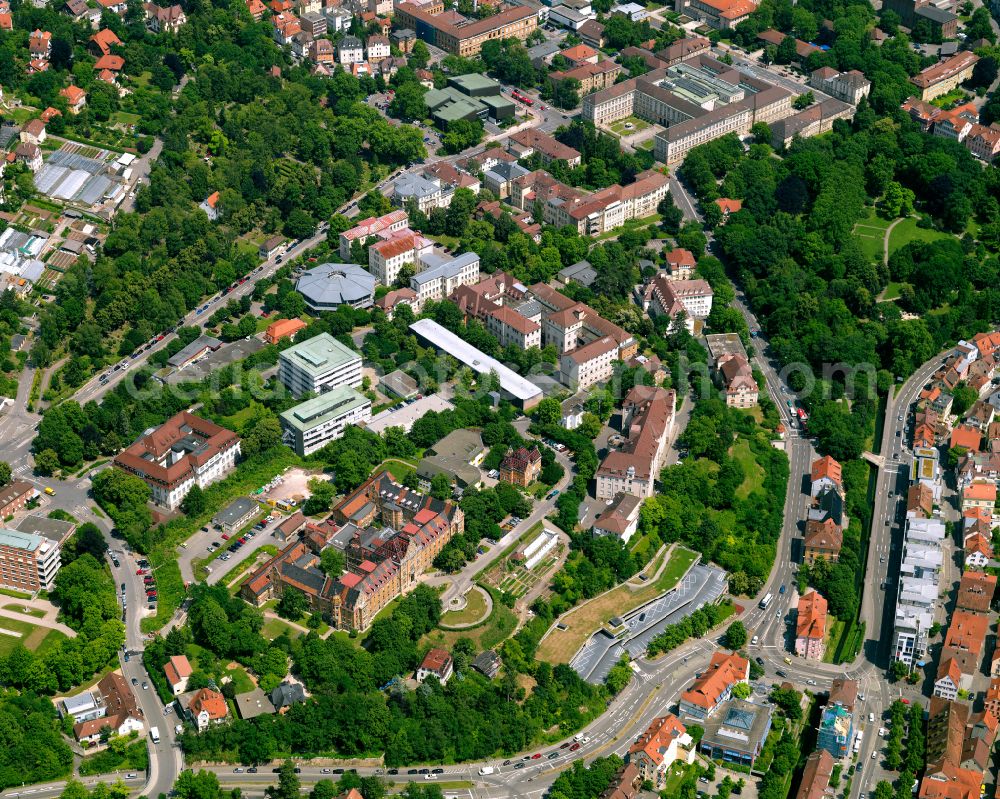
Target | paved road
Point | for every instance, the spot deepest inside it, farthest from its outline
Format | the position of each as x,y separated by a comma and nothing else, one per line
462,581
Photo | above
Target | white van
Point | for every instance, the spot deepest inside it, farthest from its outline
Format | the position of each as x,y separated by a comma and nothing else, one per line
486,770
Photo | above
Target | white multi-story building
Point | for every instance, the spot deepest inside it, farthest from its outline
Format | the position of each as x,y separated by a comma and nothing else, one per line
311,425
387,257
918,588
512,329
440,275
350,50
183,452
383,226
318,364
592,363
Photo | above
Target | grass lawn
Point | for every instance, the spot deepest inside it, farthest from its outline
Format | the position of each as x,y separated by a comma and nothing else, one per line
37,639
560,645
15,594
674,777
907,231
891,292
125,118
38,614
501,623
274,627
754,472
870,233
241,680
473,611
834,633
628,126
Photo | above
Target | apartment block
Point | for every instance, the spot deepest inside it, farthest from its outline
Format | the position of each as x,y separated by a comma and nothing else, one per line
512,329
27,562
662,296
592,363
714,686
318,364
311,425
942,77
917,596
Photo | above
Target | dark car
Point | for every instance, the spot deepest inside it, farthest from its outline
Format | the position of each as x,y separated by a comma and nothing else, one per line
565,745
519,765
393,771
424,771
337,771
506,763
553,756
252,770
780,673
297,770
276,770
760,661
412,771
437,771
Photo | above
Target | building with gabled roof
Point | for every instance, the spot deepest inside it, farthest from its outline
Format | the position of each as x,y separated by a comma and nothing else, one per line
184,451
177,670
437,663
816,775
810,628
647,423
976,591
826,474
714,686
663,743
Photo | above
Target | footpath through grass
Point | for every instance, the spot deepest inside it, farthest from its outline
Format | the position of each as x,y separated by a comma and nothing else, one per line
581,622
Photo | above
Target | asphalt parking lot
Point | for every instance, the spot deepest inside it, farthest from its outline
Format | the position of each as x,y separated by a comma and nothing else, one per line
701,585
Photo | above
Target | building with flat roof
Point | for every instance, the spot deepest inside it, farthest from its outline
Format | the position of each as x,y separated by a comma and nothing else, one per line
405,415
191,352
457,34
311,425
53,529
27,562
236,515
328,286
399,384
520,390
318,364
184,451
736,733
457,456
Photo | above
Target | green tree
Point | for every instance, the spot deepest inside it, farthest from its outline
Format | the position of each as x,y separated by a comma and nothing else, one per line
321,497
331,561
736,636
193,503
293,604
440,486
5,473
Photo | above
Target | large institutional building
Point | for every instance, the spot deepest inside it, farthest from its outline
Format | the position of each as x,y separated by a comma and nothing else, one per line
184,451
698,100
389,535
319,364
457,34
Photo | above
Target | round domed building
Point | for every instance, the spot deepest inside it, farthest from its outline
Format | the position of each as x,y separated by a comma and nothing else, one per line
328,286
